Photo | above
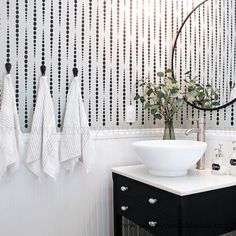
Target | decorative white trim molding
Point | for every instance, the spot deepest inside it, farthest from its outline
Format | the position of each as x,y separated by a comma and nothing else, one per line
152,133
156,132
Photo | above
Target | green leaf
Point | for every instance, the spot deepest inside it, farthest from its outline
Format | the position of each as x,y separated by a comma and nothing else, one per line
175,109
149,92
193,93
160,94
172,79
147,105
169,71
173,90
179,103
142,99
158,116
136,97
195,77
215,103
188,72
153,111
160,74
142,84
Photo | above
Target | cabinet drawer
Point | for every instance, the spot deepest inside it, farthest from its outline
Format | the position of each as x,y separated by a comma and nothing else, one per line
148,196
154,223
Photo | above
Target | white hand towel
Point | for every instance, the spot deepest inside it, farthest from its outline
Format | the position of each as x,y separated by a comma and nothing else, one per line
10,133
232,94
43,144
76,143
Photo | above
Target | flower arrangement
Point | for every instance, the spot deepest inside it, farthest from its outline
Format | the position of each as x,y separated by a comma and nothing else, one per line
165,99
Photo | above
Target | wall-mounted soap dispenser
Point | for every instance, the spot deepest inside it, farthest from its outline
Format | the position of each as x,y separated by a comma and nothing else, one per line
232,160
219,163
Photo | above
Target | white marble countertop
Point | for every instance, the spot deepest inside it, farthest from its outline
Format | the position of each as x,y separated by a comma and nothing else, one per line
196,181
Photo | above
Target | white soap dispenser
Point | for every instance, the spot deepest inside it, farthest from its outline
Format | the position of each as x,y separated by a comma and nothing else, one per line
219,164
232,160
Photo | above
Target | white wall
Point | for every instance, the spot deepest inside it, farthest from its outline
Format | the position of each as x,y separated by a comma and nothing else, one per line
80,204
76,205
147,49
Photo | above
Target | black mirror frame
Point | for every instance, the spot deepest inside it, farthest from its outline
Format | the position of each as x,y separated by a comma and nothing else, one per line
172,63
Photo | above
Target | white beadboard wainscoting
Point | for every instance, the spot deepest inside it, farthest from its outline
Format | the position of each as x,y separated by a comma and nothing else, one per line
79,204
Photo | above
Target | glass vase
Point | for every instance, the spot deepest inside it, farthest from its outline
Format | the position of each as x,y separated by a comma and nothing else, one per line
169,133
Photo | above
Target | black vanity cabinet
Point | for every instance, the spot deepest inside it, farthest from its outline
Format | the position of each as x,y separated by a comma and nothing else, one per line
163,213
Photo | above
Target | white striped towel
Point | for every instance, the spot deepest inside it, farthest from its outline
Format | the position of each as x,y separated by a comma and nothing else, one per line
42,153
10,133
232,94
76,143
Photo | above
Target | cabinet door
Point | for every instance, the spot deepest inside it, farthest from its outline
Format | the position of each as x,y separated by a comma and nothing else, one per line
150,197
156,224
210,213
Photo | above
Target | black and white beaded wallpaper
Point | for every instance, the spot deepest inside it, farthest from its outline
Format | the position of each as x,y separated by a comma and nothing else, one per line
113,43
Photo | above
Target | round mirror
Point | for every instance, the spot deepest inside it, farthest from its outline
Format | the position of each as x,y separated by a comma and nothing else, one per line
204,55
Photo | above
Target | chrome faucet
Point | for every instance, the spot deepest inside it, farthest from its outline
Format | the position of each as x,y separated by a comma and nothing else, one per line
200,130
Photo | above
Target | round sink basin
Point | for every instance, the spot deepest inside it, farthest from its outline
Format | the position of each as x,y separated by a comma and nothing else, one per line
169,157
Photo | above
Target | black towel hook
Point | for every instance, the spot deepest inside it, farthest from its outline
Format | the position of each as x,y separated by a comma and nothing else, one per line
8,67
231,84
75,72
43,69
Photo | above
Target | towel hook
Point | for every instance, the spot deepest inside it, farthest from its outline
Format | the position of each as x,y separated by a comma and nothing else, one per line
75,72
231,84
8,67
43,69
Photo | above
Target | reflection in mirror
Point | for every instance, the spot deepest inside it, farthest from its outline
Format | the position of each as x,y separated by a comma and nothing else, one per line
206,46
199,94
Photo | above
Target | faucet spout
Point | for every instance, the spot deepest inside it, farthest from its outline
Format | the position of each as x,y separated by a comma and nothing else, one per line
200,131
192,130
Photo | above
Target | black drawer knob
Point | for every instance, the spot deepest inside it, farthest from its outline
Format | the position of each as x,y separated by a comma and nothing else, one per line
152,200
124,188
124,208
152,223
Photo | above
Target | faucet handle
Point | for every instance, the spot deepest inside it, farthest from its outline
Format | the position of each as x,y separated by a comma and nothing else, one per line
201,121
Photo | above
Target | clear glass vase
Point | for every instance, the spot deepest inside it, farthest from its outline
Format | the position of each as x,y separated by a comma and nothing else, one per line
169,133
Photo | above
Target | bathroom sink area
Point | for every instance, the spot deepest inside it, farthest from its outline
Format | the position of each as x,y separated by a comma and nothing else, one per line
169,157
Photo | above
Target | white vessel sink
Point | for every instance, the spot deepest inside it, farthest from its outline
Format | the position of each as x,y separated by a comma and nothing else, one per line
169,157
